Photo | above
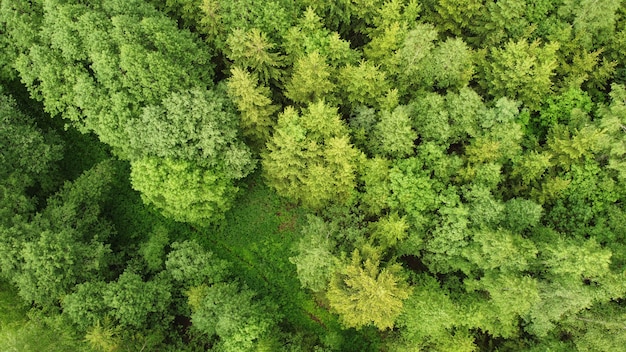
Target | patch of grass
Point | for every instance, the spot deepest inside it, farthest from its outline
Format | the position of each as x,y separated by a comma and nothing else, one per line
258,236
12,308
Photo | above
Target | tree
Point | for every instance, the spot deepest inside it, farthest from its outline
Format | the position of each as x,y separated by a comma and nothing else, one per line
457,15
252,50
310,36
510,297
612,122
393,134
450,65
191,265
376,193
183,190
315,262
230,312
310,81
254,103
310,158
522,71
521,214
431,319
132,300
27,157
364,84
412,190
196,126
63,245
362,293
389,230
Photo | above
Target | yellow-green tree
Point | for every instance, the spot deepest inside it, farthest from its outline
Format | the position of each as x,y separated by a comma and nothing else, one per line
363,293
310,158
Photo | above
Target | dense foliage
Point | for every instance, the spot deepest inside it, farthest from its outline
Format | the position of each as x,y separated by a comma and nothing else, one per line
364,175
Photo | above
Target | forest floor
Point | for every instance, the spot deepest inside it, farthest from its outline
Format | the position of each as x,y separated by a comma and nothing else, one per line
258,236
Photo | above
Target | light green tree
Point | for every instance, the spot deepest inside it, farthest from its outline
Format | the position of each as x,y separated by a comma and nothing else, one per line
231,312
394,136
183,190
254,51
310,80
522,71
254,103
196,126
310,158
363,293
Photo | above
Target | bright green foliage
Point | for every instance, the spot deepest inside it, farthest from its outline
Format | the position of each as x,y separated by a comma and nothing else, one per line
132,300
449,65
191,265
441,165
103,338
500,250
575,148
530,167
522,71
315,262
395,19
252,50
614,125
309,36
412,57
507,19
429,318
600,328
464,113
128,303
431,118
54,262
310,158
218,18
364,84
561,108
363,293
254,103
504,201
230,312
41,333
393,134
196,126
579,276
447,119
594,21
444,244
375,196
310,81
389,230
456,15
580,260
521,214
411,190
19,23
85,307
25,149
182,190
153,250
27,155
484,209
99,65
362,122
510,298
62,246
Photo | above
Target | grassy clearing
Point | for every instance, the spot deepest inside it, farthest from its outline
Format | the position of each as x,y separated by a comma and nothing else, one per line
258,236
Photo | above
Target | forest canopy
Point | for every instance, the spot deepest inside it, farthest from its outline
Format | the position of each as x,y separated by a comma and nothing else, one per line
277,175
